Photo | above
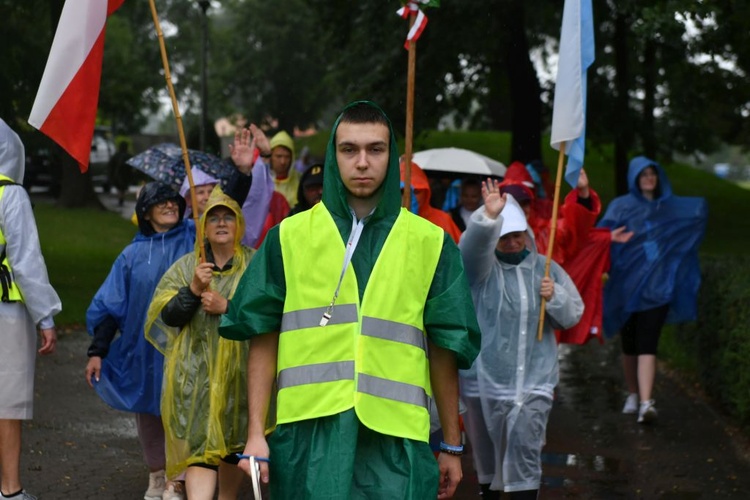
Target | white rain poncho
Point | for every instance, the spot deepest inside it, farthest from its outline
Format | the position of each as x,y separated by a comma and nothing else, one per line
508,391
19,320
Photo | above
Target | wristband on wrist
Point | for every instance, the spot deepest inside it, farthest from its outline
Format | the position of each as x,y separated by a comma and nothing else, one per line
450,449
267,155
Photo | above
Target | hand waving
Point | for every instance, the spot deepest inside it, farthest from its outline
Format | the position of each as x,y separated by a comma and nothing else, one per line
243,150
494,202
261,141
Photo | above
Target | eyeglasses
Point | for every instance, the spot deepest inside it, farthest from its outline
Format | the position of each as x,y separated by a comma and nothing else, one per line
163,204
226,219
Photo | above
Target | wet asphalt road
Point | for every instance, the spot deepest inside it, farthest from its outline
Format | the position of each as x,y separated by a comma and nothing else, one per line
78,448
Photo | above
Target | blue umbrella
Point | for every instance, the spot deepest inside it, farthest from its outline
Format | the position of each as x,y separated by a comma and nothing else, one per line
164,163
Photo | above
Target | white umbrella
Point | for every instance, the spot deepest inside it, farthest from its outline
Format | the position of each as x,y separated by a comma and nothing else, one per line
460,161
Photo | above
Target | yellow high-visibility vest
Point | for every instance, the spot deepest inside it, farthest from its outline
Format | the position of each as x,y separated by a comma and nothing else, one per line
372,355
6,272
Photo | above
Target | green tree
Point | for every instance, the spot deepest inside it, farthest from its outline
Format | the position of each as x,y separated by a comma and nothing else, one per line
274,61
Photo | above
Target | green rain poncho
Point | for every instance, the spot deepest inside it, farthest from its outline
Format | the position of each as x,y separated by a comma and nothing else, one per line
204,395
337,457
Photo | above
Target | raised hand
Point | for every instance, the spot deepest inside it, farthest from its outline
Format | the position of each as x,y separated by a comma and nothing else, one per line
261,141
494,202
583,184
243,150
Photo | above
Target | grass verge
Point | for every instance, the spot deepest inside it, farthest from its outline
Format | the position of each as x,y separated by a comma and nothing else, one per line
79,247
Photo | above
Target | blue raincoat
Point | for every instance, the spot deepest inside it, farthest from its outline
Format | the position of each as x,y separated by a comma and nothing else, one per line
131,375
659,265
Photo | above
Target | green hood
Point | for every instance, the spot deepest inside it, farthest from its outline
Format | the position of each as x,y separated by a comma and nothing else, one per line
334,191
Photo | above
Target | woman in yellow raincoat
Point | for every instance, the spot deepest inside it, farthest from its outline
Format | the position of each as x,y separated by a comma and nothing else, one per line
204,396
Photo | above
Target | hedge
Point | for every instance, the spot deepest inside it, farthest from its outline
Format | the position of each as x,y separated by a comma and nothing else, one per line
716,348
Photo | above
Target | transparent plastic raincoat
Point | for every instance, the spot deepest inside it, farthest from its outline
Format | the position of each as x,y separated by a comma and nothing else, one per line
19,320
204,397
508,391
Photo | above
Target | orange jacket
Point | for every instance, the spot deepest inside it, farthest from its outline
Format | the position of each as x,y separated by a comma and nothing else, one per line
421,186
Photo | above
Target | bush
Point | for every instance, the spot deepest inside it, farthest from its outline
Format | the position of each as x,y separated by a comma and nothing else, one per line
718,343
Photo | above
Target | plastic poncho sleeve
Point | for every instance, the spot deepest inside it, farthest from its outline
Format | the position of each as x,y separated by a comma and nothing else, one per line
573,225
565,308
112,297
177,276
255,206
449,317
478,244
25,254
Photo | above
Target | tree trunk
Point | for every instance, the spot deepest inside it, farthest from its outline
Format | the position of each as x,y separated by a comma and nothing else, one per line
498,97
648,134
526,105
76,189
623,125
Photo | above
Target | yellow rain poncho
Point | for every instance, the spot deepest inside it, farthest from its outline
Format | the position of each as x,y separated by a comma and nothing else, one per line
204,396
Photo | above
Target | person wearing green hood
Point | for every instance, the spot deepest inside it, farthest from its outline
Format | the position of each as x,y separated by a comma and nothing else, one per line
285,178
359,315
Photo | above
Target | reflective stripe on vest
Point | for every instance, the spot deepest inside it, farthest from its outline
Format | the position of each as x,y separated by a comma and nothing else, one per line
372,356
9,291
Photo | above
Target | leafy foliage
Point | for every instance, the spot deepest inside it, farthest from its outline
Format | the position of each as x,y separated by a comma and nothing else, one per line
718,341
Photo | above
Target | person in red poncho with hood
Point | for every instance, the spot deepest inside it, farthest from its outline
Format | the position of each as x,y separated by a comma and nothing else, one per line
421,194
577,214
580,248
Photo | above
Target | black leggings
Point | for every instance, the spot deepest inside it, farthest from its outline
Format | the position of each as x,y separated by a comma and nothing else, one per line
641,332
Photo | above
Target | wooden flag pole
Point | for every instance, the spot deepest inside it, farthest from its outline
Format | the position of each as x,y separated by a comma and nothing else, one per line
180,130
408,140
553,230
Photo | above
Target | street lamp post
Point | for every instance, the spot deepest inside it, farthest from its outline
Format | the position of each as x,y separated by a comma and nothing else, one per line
204,4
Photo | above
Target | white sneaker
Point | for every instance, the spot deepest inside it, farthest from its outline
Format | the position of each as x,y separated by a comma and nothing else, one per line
631,404
156,484
647,412
20,496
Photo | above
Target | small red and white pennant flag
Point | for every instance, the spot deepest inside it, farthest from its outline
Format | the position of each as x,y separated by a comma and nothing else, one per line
419,23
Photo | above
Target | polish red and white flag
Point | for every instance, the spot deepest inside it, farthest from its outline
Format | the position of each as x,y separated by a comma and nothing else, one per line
66,102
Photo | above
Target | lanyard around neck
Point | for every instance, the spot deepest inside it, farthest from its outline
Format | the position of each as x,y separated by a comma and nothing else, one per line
351,245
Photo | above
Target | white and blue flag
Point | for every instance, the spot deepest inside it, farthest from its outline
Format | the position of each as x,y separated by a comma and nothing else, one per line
569,111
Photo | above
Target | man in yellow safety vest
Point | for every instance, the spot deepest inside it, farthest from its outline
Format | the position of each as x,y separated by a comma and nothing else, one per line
359,315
